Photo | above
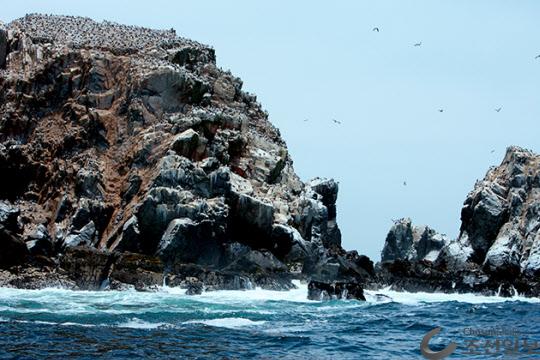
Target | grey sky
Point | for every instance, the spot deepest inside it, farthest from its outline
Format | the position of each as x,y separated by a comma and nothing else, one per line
321,60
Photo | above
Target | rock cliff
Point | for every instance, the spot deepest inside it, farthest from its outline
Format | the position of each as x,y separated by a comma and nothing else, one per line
498,249
128,158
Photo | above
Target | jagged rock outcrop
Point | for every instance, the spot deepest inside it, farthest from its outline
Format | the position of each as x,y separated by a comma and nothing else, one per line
501,217
497,250
129,157
414,243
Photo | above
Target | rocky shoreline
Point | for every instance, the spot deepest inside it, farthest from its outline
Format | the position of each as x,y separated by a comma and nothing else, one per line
130,160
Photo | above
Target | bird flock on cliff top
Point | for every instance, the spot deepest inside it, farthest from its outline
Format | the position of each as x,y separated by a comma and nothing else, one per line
85,32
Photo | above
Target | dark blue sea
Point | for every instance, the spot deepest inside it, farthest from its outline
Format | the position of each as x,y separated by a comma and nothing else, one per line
260,324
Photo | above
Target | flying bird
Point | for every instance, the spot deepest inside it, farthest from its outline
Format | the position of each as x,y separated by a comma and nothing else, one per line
336,121
418,44
440,110
375,29
498,109
537,57
306,120
404,183
492,151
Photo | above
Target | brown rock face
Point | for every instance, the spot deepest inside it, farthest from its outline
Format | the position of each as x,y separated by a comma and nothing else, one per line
111,134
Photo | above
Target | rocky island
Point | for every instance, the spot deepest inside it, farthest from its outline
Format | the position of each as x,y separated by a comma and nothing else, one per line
498,248
128,159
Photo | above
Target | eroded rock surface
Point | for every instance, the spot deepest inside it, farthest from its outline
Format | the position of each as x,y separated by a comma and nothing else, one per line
128,158
497,251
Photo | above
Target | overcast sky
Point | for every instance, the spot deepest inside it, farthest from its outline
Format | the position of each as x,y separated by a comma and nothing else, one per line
321,61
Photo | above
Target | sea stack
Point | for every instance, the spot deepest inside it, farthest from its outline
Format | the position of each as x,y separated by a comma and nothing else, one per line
498,248
129,159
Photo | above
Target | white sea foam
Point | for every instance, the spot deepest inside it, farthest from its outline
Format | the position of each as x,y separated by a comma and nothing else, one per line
136,323
132,324
417,298
209,310
234,296
69,323
231,322
174,300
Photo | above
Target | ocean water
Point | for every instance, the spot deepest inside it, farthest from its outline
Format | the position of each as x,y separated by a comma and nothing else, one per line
168,324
